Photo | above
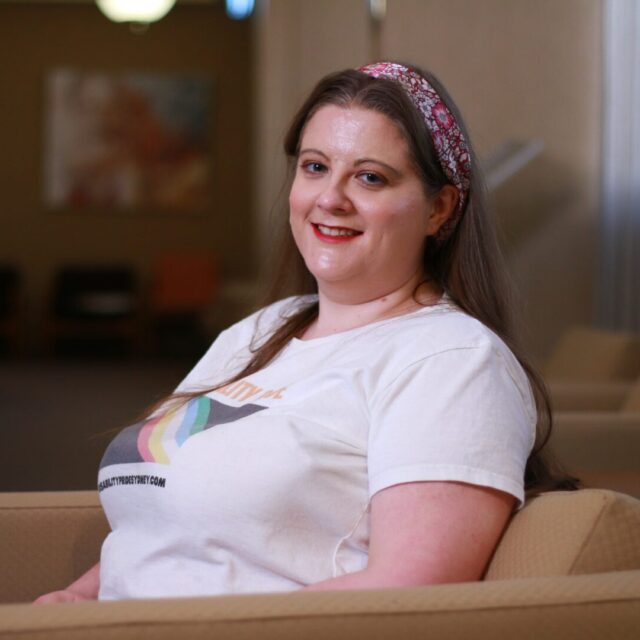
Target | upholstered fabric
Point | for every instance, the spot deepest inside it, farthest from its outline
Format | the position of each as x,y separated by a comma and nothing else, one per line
584,353
566,608
48,540
570,533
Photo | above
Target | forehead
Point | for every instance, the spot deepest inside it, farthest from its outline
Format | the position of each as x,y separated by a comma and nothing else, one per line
354,131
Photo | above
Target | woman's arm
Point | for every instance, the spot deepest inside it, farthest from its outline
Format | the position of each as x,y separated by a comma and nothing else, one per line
86,587
421,533
429,533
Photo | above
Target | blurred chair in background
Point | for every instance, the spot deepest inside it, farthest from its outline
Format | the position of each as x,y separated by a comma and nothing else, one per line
183,288
592,369
602,448
94,311
594,380
11,310
588,354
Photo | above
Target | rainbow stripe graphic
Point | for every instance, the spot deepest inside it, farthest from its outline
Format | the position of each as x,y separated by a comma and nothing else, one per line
158,439
162,435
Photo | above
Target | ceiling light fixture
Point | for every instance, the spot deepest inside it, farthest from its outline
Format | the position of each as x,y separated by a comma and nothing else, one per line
239,9
135,11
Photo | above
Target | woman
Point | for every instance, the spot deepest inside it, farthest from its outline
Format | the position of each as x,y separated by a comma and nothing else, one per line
378,432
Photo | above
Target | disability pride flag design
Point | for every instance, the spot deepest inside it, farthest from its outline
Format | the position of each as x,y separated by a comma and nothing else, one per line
157,439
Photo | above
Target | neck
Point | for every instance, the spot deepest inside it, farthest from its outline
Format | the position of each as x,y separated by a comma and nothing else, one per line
336,315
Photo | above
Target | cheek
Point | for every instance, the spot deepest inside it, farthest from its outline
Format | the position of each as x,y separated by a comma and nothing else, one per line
413,217
402,230
299,200
403,219
297,213
294,206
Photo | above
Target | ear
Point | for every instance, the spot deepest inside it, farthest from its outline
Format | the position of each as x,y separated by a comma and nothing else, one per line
444,203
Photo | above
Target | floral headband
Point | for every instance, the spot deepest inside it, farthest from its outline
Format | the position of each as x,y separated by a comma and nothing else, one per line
449,141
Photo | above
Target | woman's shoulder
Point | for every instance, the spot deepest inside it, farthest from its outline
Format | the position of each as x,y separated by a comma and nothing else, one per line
438,328
427,334
447,345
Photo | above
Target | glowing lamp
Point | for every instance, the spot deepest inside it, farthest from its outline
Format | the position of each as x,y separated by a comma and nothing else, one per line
143,11
239,9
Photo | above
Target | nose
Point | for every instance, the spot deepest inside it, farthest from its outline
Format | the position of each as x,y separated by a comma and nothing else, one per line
334,198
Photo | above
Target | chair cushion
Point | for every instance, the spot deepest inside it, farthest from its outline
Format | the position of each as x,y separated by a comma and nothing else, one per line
570,533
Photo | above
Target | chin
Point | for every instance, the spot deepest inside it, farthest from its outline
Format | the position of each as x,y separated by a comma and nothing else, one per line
330,275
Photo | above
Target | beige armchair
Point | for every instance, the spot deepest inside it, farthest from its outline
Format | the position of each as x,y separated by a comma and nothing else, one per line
611,395
601,448
568,566
587,354
593,369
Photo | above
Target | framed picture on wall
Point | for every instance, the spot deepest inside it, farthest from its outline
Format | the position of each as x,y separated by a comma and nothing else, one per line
127,142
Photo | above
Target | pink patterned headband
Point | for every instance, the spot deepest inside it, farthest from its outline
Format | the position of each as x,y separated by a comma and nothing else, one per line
449,141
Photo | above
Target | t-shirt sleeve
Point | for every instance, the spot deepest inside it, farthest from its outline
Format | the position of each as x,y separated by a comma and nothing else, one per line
464,415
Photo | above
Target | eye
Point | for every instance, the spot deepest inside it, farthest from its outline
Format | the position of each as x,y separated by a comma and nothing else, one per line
313,167
371,178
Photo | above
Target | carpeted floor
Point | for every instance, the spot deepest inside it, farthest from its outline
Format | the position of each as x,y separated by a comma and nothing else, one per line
56,417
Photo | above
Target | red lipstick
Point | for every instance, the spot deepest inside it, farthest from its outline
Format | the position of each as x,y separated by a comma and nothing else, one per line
346,236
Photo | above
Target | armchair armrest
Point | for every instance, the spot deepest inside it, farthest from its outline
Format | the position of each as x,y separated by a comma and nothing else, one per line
593,606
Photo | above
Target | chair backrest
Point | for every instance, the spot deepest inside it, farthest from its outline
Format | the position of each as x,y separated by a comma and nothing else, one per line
9,289
585,353
183,282
602,448
94,291
570,533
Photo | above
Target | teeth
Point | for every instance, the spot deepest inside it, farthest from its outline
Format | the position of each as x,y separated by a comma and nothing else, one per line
328,231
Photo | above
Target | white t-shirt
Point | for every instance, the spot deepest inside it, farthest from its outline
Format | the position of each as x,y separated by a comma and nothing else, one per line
265,484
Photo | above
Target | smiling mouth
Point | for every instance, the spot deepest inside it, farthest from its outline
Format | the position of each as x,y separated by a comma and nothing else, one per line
335,232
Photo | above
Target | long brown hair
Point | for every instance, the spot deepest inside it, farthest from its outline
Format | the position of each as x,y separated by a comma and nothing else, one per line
468,266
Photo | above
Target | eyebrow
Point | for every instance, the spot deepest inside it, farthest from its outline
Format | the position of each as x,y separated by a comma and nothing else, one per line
357,163
324,155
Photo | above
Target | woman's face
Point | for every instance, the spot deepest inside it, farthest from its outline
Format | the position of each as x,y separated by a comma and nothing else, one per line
358,210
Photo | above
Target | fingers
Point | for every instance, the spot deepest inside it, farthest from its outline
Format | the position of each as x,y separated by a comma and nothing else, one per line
56,597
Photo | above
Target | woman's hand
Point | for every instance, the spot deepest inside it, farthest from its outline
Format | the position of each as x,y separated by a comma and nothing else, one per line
86,587
64,595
